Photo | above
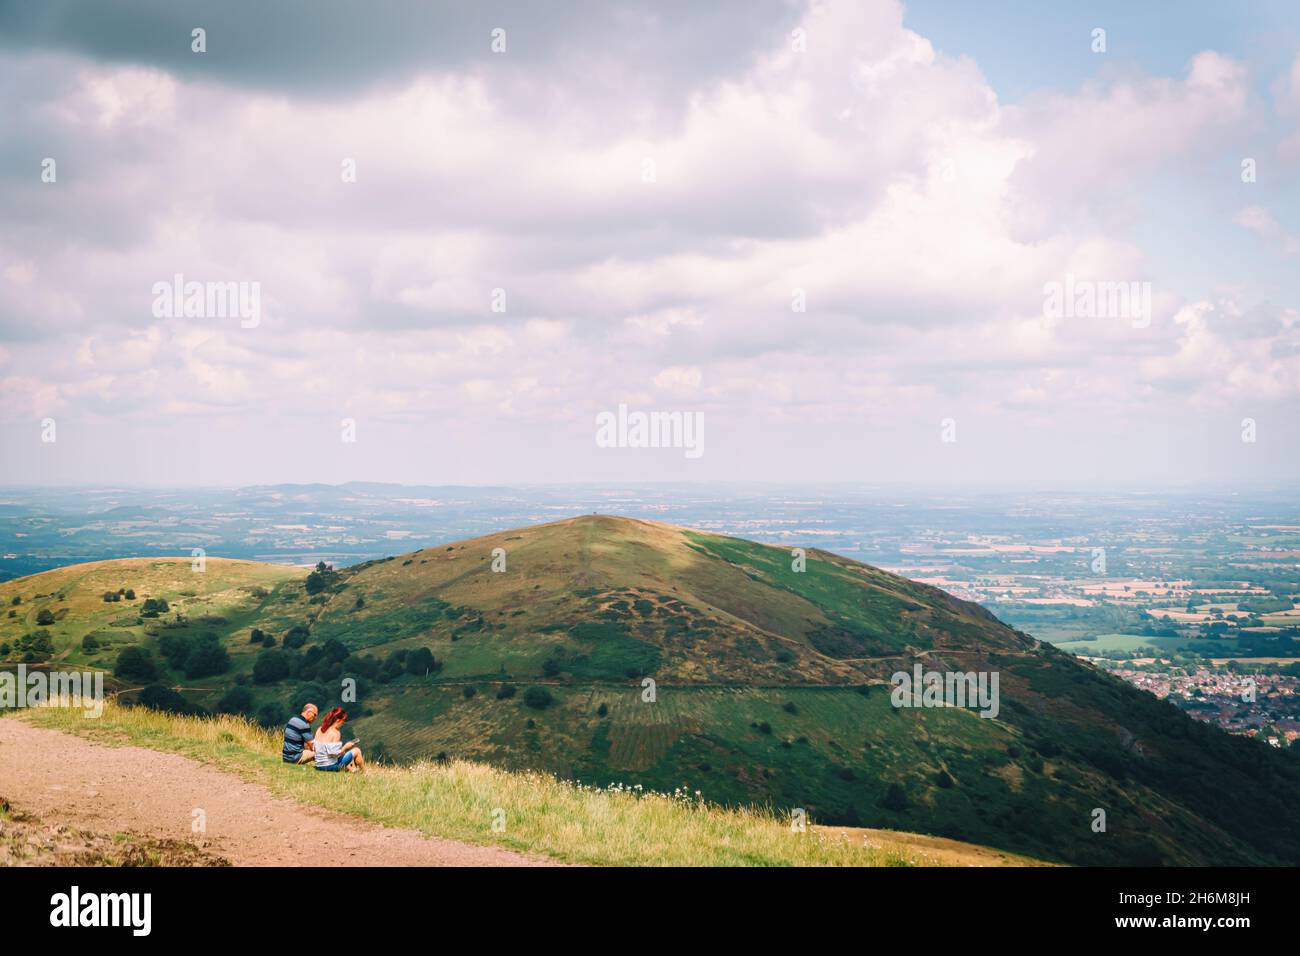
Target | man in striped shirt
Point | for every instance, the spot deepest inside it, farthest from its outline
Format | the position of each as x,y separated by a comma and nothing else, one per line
298,737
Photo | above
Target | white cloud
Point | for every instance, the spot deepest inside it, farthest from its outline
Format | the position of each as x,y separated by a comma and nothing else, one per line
919,216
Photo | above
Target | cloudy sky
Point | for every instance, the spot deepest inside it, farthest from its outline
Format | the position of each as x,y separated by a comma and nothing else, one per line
624,205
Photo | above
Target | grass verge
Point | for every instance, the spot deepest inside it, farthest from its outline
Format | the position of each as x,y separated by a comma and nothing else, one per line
543,816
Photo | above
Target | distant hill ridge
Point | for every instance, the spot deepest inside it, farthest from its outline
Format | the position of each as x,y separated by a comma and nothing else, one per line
530,648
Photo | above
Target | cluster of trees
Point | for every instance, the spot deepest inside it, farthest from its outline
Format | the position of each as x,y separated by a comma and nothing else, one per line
153,607
112,597
135,664
33,648
321,579
197,656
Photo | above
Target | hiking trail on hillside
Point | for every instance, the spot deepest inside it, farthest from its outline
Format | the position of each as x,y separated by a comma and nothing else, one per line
101,790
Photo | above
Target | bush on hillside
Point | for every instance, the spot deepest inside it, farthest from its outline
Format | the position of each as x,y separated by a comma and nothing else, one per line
135,664
421,662
158,697
237,700
538,698
206,659
895,799
270,666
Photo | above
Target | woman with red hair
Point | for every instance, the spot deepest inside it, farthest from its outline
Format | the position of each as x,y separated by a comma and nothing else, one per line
331,752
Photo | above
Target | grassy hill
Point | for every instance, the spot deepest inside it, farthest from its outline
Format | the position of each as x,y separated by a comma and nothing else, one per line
474,803
770,685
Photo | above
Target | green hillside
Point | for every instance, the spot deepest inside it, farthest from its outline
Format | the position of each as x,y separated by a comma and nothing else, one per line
770,685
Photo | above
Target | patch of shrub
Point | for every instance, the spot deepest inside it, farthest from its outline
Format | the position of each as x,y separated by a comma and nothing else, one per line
158,697
538,698
270,666
135,664
894,799
421,662
237,700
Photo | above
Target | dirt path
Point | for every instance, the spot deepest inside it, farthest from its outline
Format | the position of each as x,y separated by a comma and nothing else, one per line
59,777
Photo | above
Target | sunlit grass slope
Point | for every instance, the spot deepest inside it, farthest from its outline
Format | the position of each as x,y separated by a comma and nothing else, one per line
542,815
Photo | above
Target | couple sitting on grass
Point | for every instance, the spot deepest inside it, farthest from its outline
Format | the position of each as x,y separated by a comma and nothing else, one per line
326,746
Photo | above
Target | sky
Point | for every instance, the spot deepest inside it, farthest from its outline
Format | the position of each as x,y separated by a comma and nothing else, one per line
828,234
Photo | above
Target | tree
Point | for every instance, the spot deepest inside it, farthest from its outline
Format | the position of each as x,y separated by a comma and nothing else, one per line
271,666
538,698
270,716
158,697
420,662
89,644
297,636
152,607
207,659
237,700
135,664
44,617
894,799
321,578
256,636
129,594
393,666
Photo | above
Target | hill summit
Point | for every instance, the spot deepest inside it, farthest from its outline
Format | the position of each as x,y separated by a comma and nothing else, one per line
610,649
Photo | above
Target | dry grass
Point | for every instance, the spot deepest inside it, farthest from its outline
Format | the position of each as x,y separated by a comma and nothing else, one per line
542,815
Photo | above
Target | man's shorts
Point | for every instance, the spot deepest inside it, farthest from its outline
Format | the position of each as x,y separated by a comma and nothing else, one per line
342,762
